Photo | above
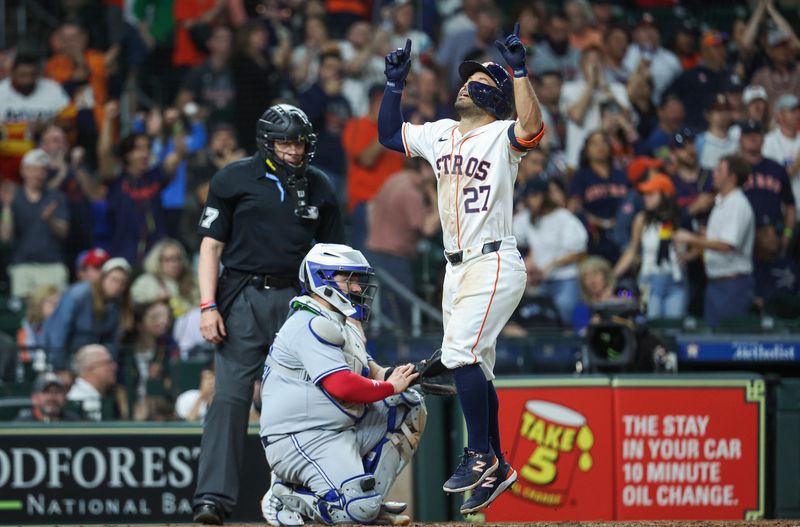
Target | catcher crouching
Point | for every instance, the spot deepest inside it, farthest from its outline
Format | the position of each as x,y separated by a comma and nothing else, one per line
337,427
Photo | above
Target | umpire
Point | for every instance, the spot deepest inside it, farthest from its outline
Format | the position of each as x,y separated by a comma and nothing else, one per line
262,215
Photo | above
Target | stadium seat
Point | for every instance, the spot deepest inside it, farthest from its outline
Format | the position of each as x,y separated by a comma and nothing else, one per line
744,324
185,375
10,407
665,323
18,389
12,312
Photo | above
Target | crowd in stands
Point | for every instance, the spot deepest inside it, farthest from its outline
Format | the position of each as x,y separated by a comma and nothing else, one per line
669,171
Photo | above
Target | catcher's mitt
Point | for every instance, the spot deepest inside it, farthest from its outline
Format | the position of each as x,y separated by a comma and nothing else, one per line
434,377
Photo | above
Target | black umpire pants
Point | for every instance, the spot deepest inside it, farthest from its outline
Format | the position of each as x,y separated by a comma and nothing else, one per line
255,315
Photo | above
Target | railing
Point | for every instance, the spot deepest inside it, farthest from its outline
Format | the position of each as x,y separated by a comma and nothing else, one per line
417,306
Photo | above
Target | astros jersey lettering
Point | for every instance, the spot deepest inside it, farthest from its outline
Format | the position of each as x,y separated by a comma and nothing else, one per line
475,173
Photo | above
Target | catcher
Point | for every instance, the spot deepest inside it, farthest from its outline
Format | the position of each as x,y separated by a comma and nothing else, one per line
337,427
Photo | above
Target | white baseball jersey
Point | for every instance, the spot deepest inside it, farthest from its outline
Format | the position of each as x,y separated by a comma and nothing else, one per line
475,174
18,112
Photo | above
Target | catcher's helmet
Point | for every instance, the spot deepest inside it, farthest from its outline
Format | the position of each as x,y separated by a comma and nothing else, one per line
497,101
284,122
325,260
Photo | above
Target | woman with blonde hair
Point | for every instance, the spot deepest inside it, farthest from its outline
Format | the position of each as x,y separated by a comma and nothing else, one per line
40,305
90,313
597,284
168,276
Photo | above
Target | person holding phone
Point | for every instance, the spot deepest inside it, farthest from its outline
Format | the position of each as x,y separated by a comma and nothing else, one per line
582,100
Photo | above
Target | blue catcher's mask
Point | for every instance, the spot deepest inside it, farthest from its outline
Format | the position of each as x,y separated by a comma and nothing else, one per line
318,272
356,305
498,101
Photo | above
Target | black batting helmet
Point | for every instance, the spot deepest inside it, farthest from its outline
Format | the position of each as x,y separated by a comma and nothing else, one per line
497,101
284,122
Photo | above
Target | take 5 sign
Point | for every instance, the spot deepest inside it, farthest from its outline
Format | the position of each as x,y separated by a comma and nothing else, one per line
632,448
558,434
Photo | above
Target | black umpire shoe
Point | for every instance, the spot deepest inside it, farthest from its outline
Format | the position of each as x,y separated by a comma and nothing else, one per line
208,513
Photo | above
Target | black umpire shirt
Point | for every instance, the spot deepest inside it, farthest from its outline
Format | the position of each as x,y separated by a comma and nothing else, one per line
252,212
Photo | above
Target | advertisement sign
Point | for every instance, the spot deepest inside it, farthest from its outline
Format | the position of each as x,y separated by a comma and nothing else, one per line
632,448
689,449
558,438
86,474
741,349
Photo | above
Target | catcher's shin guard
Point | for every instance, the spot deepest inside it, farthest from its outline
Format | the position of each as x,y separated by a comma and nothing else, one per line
406,422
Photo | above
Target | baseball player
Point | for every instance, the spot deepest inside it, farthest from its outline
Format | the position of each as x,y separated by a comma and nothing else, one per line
337,428
475,160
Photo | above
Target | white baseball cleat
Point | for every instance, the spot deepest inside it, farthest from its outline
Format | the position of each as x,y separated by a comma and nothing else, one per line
394,507
389,518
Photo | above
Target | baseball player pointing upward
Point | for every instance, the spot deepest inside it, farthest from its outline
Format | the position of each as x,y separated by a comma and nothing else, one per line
475,160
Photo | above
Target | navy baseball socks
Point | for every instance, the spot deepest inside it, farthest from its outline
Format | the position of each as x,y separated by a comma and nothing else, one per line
478,461
502,478
483,470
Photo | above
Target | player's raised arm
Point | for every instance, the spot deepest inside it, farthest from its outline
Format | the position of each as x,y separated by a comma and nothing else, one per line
390,119
529,116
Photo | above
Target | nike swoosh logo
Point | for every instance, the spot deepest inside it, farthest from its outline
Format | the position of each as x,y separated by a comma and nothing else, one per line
442,139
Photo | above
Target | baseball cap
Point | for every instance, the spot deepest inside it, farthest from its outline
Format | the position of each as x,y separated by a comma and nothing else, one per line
751,126
95,257
776,36
687,25
639,165
719,103
646,19
658,183
682,138
36,157
535,185
754,92
45,380
787,101
712,37
117,263
733,83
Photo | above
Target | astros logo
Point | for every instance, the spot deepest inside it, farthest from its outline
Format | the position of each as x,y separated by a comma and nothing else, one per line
552,440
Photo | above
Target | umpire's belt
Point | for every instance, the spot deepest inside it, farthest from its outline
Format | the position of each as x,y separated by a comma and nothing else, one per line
265,281
299,374
458,257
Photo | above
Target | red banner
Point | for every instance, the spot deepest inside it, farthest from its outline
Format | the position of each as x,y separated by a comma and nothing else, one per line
659,449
